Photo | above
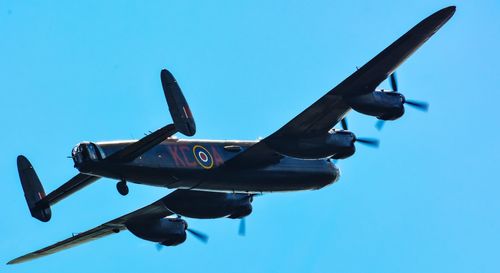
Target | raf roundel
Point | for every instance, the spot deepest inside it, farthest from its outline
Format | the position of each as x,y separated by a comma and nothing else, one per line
203,157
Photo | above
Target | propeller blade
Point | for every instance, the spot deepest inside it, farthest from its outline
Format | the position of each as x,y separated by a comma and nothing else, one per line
159,247
343,122
394,82
198,235
419,105
369,141
380,124
243,227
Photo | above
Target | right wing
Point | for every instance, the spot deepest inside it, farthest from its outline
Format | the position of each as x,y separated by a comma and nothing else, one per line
322,115
154,210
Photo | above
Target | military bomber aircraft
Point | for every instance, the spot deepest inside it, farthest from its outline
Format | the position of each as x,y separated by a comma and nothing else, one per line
218,178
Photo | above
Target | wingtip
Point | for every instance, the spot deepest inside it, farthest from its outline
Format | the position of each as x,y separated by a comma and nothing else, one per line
15,261
435,21
24,258
452,9
449,11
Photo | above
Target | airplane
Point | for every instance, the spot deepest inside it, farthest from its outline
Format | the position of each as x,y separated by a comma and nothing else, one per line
219,178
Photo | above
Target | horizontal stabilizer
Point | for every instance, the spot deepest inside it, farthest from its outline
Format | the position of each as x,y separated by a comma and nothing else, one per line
135,149
73,185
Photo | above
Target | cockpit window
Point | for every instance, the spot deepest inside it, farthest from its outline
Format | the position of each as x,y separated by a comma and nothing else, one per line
92,152
85,151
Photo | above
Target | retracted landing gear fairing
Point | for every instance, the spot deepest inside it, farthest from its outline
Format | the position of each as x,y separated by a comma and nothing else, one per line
218,178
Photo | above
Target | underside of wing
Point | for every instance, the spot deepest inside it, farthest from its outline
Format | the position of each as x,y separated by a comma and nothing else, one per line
326,112
93,234
154,210
257,155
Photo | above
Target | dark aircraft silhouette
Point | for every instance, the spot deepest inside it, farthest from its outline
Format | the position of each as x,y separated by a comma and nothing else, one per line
217,178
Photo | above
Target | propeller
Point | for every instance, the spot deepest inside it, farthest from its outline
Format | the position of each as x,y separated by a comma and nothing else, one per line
343,123
243,227
394,82
419,105
372,142
159,246
380,124
198,235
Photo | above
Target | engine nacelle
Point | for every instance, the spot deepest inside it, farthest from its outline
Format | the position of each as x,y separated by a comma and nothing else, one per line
382,105
242,212
208,205
335,144
166,231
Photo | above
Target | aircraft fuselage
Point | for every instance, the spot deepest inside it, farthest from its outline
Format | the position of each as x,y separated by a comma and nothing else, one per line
199,164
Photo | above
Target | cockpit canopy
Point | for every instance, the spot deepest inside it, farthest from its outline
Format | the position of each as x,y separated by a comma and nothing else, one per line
85,152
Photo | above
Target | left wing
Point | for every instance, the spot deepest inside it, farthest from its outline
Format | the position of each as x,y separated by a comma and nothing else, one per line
154,210
322,115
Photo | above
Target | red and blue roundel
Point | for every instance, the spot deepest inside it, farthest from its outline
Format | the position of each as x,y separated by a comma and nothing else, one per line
203,157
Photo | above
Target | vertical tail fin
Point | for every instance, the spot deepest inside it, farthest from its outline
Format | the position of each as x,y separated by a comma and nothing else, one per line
33,190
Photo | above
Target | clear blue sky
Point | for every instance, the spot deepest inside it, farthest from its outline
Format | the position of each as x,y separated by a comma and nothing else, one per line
426,201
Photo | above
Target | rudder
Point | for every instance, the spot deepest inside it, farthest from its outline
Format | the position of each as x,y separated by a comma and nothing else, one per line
33,190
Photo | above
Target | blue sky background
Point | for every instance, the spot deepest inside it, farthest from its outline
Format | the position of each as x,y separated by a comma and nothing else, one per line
426,201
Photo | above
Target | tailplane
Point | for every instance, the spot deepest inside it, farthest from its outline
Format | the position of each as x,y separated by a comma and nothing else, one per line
33,190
